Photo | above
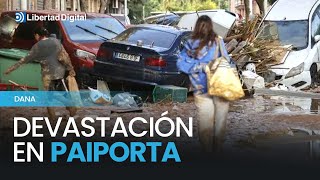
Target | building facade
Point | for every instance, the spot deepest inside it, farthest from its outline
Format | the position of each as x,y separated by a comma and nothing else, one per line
237,6
113,6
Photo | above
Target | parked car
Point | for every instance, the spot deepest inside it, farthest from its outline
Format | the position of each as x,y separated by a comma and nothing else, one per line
81,39
169,19
144,54
296,23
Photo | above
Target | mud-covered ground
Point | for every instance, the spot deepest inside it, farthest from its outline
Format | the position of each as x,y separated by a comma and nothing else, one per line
248,118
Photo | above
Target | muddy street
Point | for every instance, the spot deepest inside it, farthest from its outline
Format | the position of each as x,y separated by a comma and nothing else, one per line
248,119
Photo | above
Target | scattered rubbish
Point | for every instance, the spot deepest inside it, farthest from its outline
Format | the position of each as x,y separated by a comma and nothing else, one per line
252,80
251,67
99,97
252,53
169,93
280,87
103,87
127,100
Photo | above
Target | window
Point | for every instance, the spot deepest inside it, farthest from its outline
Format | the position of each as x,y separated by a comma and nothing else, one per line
148,36
315,27
93,29
53,28
294,33
40,5
115,4
25,30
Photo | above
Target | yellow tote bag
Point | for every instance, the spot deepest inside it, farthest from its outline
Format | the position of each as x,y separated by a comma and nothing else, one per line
223,80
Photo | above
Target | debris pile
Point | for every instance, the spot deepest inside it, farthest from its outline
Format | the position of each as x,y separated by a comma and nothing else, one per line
245,47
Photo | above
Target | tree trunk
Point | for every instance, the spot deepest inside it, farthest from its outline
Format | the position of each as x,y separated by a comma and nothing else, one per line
83,5
103,5
107,6
271,1
47,4
247,9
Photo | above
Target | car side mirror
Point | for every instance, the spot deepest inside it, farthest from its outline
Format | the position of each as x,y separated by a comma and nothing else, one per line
317,38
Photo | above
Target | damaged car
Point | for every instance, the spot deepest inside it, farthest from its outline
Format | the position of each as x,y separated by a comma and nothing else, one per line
295,23
143,54
81,39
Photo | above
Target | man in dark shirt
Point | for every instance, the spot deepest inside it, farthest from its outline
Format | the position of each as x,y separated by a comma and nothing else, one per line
54,61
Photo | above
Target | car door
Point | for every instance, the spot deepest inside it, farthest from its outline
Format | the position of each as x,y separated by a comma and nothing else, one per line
53,28
315,33
314,64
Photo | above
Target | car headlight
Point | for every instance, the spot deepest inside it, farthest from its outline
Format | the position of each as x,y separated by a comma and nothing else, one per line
85,54
295,71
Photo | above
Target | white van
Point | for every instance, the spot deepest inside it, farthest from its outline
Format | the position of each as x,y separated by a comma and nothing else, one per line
297,23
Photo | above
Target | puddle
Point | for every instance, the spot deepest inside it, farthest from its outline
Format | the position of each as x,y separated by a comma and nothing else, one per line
291,101
277,105
299,143
295,104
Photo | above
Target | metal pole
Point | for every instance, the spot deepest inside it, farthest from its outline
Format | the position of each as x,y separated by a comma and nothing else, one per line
265,6
62,5
143,12
125,8
251,6
78,3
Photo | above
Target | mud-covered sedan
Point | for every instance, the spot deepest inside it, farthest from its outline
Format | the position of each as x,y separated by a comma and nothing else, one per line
144,54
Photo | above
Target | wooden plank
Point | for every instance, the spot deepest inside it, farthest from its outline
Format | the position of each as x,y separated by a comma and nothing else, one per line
115,109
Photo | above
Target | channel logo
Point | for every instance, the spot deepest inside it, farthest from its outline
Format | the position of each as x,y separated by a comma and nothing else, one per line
21,17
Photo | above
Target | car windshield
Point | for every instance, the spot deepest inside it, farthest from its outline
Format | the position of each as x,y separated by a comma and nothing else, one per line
148,37
286,32
165,20
122,19
93,29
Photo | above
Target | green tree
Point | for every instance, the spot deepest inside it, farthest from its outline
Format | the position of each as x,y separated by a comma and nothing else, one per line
139,7
206,5
187,5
